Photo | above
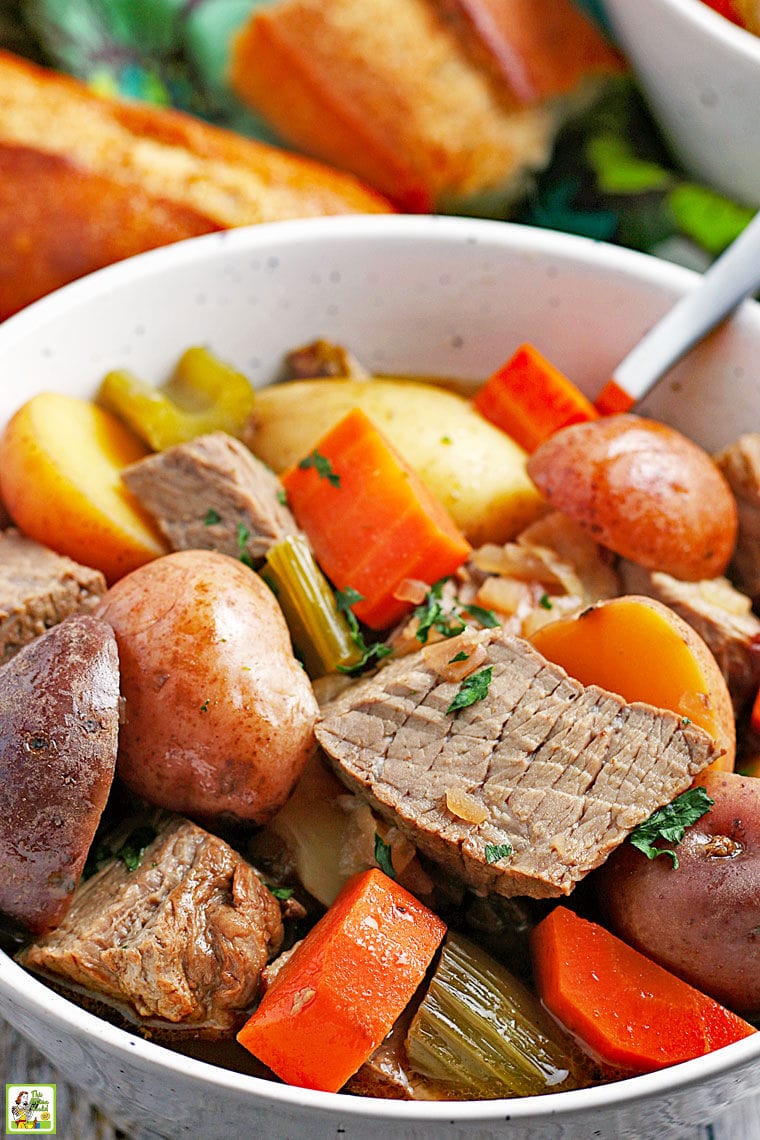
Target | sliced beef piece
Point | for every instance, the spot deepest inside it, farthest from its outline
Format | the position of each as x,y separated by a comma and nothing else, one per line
561,772
740,463
721,615
180,940
38,589
212,494
59,726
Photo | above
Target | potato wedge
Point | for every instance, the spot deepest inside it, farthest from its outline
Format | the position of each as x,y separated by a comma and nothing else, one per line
476,471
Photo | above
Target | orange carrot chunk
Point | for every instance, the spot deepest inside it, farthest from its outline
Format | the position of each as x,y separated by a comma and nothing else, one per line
339,993
370,519
530,399
629,1011
613,400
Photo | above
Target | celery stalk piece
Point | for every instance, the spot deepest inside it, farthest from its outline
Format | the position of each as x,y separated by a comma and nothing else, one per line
203,394
319,630
483,1034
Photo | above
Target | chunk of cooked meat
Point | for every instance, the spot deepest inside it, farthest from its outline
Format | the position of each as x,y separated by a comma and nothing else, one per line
183,938
721,615
38,589
59,724
212,494
740,464
561,772
322,358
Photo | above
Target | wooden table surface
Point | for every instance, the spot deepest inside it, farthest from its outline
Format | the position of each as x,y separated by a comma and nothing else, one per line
79,1119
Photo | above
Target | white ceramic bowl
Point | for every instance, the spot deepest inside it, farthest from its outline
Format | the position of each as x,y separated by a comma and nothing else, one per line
428,295
700,75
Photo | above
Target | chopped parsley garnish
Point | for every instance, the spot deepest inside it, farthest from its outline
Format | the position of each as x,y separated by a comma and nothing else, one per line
383,856
132,851
212,517
670,823
344,599
430,614
545,602
282,497
243,534
204,706
474,688
281,893
460,656
322,466
497,851
487,618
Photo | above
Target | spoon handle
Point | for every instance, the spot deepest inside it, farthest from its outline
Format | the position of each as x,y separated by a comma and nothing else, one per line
731,278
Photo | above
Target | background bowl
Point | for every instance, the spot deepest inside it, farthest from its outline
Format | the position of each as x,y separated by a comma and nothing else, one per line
700,75
412,295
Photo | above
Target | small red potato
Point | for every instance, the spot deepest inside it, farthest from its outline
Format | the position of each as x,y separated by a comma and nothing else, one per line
700,919
643,490
219,715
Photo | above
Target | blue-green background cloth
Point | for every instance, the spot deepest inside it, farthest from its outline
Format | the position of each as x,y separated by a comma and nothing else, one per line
611,176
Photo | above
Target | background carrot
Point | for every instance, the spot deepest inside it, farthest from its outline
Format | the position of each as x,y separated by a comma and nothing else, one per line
631,1012
370,519
339,993
530,399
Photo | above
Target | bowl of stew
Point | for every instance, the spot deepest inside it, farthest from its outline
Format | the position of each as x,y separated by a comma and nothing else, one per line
423,301
699,71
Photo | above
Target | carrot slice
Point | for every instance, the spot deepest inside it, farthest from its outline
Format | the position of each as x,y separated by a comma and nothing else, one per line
370,519
530,399
613,400
629,1011
338,995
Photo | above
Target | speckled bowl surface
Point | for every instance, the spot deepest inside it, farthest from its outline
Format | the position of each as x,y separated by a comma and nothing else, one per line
411,295
700,74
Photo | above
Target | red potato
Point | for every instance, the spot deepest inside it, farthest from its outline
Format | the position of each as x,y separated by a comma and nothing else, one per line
643,490
701,919
219,714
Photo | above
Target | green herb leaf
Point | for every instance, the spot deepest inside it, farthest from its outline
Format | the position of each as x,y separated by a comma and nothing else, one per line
545,602
497,851
383,856
322,466
212,517
487,618
344,599
281,893
430,614
133,849
282,497
474,688
460,656
670,823
204,706
243,534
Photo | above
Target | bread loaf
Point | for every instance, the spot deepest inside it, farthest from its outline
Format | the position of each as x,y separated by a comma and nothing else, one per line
440,104
86,180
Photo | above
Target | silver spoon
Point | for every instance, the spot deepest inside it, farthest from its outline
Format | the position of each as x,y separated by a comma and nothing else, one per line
733,277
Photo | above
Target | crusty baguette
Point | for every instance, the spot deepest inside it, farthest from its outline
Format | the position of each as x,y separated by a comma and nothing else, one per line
85,181
434,102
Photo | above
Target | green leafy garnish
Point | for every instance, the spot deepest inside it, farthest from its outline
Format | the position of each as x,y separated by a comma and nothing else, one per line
497,851
545,602
474,688
212,517
132,851
322,466
282,497
383,856
460,656
487,618
344,599
281,893
204,706
243,534
430,614
670,823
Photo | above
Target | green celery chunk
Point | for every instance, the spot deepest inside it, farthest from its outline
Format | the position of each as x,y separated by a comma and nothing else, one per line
481,1033
203,394
320,632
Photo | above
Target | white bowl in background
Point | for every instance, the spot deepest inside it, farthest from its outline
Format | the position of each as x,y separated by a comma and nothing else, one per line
700,75
445,296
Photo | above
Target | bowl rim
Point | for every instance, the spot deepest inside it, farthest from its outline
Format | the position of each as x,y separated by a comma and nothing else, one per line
713,24
26,992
